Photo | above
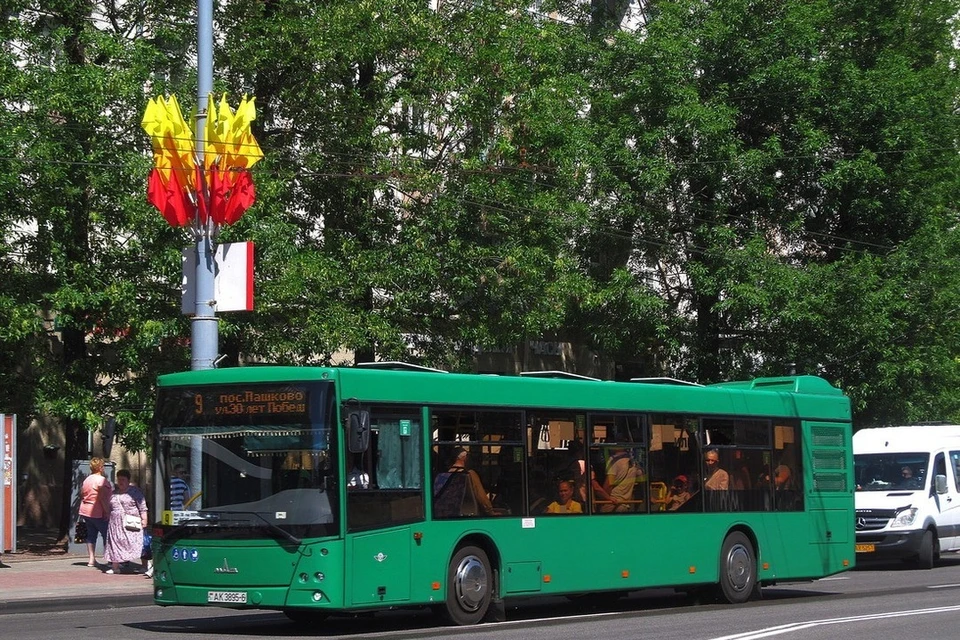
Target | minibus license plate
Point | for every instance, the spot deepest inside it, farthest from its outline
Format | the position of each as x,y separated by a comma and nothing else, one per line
230,597
865,548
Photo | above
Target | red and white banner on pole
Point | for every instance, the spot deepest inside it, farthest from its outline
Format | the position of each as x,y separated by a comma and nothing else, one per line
8,483
232,278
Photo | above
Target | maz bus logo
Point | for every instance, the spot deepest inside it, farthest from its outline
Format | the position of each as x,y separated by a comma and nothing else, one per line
226,568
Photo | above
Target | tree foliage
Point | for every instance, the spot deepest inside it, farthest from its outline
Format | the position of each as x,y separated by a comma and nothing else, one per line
709,190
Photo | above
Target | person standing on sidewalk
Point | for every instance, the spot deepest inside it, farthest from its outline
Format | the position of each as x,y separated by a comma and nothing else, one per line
95,494
128,519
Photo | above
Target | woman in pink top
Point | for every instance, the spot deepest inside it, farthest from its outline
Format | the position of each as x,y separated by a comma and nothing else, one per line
95,497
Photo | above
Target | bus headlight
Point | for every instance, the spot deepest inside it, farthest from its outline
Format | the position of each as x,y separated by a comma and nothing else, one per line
905,518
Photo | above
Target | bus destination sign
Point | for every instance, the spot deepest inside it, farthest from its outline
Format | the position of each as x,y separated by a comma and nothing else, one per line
258,401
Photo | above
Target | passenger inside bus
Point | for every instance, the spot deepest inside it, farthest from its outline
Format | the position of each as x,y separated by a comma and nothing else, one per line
783,478
788,498
581,481
564,502
459,491
716,479
358,478
621,476
679,493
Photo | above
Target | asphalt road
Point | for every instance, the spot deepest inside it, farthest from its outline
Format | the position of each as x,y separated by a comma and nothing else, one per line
870,602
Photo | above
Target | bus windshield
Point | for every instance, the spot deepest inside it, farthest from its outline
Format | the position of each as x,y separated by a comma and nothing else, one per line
890,471
248,461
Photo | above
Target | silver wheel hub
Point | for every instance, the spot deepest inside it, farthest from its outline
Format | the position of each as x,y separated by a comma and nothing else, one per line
738,567
470,583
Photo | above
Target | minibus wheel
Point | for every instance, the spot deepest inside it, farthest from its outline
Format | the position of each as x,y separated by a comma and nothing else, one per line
929,552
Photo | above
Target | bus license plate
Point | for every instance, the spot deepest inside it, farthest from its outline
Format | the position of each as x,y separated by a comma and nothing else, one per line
230,597
865,548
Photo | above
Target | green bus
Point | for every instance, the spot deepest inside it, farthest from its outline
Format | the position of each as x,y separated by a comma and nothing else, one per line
315,490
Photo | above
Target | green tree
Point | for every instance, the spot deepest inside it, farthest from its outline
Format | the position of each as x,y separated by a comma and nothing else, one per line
90,304
758,156
434,165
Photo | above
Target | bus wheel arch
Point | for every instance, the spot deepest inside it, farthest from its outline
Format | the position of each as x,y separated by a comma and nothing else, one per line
473,581
738,580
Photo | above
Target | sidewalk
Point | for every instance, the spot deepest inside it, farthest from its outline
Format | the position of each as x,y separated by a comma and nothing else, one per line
45,578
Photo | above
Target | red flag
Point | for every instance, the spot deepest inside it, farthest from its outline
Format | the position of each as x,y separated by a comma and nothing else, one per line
242,196
218,196
178,204
169,199
156,192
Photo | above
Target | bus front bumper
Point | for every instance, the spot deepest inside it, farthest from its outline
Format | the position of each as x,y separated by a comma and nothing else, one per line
242,598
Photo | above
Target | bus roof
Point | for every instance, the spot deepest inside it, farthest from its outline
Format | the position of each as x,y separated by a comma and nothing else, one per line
794,396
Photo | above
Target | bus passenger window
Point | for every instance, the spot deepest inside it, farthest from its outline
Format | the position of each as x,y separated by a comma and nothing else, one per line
485,447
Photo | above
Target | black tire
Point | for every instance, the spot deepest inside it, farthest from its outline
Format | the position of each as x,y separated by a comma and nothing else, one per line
305,617
738,569
469,586
929,551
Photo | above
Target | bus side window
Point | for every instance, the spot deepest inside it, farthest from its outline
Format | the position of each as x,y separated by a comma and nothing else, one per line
483,444
383,481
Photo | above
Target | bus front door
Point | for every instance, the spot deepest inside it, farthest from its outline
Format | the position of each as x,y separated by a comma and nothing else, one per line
380,568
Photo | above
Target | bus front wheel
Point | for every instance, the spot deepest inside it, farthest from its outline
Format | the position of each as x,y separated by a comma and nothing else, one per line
738,568
469,586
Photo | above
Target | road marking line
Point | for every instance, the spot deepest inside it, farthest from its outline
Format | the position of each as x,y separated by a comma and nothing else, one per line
800,626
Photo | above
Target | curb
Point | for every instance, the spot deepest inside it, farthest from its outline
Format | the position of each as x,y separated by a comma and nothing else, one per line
13,559
50,605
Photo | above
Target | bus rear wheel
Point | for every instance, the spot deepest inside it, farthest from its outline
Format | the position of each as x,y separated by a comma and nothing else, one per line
738,568
469,586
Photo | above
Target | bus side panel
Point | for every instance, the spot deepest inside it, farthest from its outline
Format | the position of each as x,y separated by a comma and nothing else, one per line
575,554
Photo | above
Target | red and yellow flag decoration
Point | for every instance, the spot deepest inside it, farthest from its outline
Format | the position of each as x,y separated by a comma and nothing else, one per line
178,186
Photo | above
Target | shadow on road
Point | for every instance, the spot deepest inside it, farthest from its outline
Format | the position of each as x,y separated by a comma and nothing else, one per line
947,560
551,610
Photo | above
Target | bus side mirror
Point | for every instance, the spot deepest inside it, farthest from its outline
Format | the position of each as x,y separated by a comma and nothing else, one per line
358,431
940,481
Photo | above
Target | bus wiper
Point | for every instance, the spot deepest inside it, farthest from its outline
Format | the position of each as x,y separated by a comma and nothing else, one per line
221,516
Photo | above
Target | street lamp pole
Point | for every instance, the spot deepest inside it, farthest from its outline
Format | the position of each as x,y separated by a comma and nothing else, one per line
203,325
